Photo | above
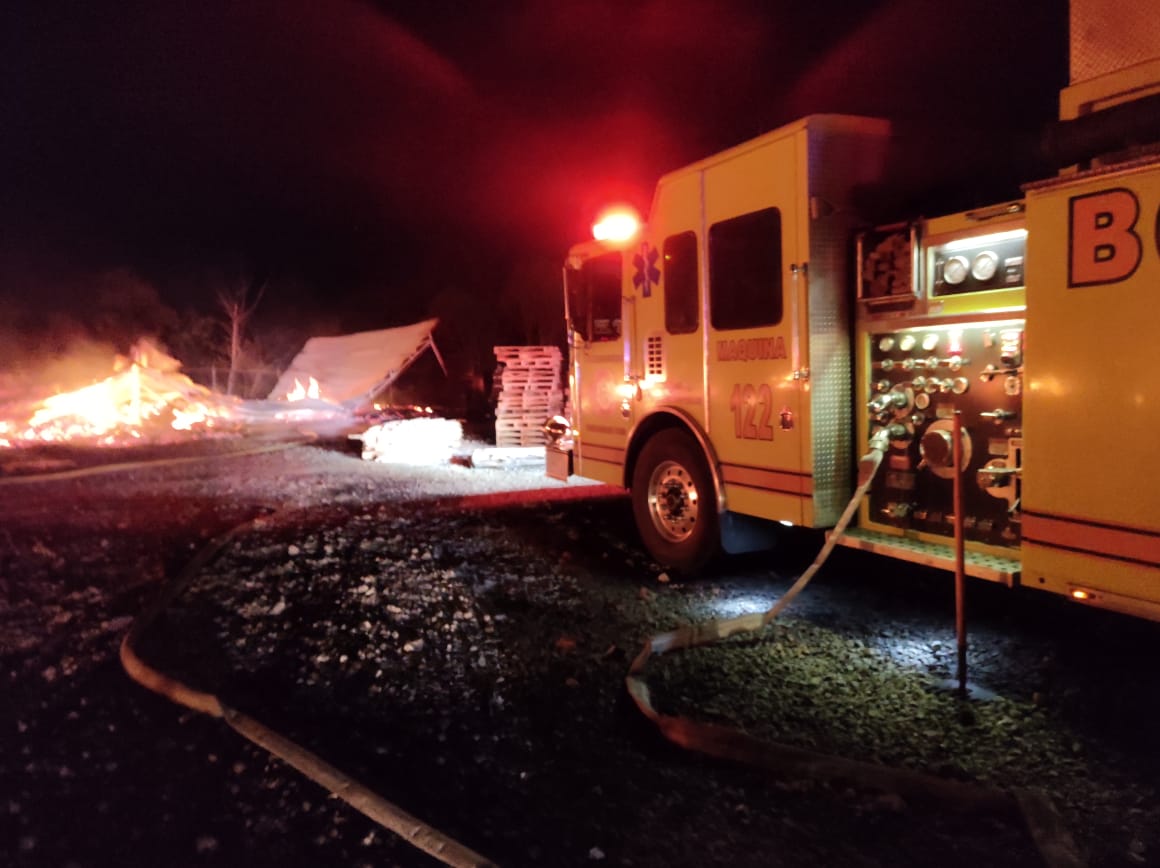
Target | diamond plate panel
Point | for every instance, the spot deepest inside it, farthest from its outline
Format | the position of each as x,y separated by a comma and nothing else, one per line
840,157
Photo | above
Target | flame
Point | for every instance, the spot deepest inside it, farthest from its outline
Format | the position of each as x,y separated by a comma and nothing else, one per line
299,391
93,410
189,418
136,402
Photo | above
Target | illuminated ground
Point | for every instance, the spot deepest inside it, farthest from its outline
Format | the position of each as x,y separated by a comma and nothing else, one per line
466,660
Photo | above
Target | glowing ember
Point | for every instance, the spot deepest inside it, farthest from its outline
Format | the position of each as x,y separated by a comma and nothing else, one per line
423,440
299,392
194,415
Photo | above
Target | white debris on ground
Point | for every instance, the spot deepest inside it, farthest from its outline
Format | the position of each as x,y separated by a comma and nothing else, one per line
425,440
509,457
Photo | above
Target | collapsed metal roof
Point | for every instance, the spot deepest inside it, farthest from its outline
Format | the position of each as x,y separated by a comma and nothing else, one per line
352,369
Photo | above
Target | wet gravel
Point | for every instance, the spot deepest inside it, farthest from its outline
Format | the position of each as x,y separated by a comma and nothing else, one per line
461,650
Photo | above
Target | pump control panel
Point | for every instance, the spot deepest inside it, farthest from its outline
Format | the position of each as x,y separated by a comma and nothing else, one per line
941,324
919,378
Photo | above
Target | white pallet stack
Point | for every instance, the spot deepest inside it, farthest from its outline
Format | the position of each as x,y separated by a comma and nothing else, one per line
530,394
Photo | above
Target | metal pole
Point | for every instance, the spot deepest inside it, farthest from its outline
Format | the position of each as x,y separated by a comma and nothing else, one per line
960,553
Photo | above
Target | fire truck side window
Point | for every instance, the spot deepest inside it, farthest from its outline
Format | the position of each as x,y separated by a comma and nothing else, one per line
594,298
745,270
680,283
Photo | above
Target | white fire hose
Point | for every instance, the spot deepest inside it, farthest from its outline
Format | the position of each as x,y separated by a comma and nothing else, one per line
708,632
361,798
124,466
1053,840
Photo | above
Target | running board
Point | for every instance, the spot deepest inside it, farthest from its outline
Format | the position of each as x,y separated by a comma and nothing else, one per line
983,566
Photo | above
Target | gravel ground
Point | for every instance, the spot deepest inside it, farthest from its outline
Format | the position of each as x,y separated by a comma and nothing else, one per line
457,640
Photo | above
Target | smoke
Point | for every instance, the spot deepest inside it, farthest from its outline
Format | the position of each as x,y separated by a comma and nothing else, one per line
61,330
33,373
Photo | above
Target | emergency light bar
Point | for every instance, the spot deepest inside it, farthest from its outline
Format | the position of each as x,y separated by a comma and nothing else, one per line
616,224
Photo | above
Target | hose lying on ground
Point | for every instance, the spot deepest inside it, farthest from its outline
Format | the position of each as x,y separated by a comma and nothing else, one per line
123,466
359,797
1055,844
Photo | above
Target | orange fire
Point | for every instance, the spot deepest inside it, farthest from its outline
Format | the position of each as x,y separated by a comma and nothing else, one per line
299,392
146,398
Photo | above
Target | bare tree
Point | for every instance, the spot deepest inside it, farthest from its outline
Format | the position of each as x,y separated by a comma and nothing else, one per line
238,301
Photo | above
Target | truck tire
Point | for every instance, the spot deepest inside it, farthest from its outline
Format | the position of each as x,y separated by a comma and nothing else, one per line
674,502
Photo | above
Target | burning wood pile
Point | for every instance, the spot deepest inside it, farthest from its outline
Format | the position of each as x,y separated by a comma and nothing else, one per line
145,398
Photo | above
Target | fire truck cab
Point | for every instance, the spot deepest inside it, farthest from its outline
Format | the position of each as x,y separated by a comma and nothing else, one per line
711,356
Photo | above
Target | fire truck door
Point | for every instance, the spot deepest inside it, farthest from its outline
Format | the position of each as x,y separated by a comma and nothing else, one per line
755,333
601,407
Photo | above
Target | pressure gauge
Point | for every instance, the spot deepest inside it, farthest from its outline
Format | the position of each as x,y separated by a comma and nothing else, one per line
907,343
955,270
985,265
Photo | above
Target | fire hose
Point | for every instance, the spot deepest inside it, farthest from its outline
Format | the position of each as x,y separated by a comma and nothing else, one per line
1055,844
124,466
361,798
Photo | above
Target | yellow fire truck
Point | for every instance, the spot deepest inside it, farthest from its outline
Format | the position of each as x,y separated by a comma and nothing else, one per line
731,358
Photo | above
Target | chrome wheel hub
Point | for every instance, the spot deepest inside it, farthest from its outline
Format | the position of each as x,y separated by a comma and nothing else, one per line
673,501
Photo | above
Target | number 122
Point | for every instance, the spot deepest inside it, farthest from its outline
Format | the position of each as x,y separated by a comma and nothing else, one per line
750,422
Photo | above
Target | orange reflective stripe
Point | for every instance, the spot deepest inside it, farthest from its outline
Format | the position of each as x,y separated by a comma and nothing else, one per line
781,481
1099,539
607,454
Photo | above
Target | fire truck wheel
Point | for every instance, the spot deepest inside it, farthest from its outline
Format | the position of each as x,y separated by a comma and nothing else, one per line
673,502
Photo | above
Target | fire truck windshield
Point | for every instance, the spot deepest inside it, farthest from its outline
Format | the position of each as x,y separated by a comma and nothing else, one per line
593,296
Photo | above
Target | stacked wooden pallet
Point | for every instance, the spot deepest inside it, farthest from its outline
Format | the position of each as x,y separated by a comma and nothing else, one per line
530,393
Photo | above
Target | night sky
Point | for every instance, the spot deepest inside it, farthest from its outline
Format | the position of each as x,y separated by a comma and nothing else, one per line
368,154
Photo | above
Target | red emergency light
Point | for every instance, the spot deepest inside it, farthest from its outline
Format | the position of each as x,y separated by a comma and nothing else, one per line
620,223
